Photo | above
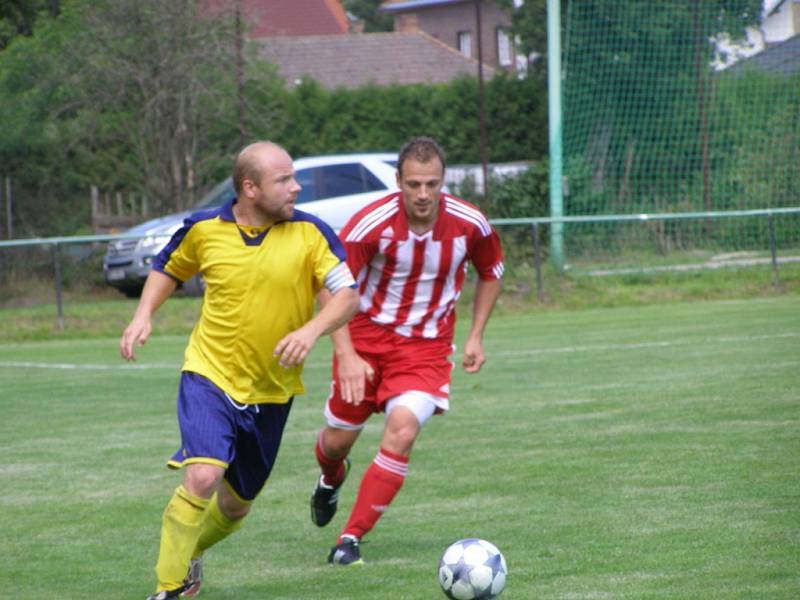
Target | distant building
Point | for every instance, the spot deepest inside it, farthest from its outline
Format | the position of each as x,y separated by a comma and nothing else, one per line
454,22
352,61
315,39
782,22
285,17
778,59
778,24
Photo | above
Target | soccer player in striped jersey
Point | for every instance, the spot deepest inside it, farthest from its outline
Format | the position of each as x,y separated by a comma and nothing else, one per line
264,264
409,252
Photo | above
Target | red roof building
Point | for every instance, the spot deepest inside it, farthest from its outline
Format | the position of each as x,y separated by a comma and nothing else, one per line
269,18
352,61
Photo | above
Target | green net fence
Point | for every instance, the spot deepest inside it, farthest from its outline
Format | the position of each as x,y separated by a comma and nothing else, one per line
652,125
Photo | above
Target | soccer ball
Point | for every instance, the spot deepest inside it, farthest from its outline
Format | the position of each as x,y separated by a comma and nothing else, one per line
472,569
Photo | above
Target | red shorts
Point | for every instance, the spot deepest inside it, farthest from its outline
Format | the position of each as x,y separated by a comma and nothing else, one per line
401,364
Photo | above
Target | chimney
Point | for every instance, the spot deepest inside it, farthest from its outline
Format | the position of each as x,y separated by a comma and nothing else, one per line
407,23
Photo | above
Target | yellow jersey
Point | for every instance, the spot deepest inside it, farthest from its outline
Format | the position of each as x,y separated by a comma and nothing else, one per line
261,284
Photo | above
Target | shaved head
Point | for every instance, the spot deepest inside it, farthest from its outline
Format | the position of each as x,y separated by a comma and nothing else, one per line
253,160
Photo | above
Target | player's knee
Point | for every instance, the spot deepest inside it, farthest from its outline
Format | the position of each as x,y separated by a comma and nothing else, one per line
202,479
336,443
234,511
400,440
230,505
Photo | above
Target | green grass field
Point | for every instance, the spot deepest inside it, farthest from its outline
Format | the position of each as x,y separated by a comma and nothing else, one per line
629,452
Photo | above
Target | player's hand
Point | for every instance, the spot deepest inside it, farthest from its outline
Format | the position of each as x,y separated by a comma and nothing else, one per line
135,334
473,356
353,373
293,349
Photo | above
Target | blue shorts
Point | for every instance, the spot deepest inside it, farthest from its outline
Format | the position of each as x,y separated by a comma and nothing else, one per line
243,439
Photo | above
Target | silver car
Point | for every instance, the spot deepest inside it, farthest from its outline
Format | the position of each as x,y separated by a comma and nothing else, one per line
334,187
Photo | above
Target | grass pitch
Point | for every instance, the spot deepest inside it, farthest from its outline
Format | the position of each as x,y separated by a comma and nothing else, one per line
635,452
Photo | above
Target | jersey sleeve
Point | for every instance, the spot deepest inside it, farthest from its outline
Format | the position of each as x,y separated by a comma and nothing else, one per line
487,256
328,258
358,255
359,249
178,259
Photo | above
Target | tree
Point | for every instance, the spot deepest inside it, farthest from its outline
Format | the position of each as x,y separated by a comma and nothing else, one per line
529,27
18,17
127,94
174,92
368,11
637,92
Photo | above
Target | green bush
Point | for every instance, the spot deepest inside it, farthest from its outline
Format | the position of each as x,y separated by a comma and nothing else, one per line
523,195
374,118
519,196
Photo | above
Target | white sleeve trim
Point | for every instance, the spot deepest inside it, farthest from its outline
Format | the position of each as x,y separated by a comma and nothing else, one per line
339,277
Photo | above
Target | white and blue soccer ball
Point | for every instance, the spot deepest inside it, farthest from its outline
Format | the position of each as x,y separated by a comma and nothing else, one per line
472,569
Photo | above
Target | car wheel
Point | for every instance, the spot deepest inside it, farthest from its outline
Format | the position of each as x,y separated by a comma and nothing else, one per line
132,291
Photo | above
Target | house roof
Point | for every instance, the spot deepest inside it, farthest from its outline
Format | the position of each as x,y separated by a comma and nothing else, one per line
777,6
286,17
359,59
401,5
782,59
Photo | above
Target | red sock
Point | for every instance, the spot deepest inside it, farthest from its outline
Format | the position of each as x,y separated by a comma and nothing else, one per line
381,482
332,469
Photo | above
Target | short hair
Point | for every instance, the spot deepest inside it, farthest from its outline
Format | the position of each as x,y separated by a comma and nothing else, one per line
422,149
248,164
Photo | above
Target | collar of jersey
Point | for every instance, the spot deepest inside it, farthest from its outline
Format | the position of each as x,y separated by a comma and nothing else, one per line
226,214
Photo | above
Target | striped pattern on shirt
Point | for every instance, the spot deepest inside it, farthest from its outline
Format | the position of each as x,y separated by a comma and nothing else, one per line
408,282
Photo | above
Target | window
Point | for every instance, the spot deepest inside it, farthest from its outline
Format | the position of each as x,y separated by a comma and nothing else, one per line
335,180
504,48
305,177
218,196
465,43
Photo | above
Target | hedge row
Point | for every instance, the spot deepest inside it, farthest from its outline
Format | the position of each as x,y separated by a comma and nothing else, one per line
371,118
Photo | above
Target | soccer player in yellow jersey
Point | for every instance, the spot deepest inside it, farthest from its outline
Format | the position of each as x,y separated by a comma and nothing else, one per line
263,263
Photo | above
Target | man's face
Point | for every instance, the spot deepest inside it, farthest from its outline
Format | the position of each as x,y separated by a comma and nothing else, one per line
421,183
275,194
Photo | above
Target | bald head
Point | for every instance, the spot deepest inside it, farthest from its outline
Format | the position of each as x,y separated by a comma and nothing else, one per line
254,160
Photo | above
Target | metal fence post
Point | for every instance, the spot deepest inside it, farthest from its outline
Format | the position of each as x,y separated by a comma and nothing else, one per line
9,218
774,250
537,261
57,272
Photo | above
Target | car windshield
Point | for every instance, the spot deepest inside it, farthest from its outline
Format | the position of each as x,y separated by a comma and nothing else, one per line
221,193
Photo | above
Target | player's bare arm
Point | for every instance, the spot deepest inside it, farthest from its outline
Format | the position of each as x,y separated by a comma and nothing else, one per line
486,294
353,371
295,347
157,288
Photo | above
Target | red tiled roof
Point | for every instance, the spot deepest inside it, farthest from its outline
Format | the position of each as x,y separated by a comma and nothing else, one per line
400,5
359,59
286,17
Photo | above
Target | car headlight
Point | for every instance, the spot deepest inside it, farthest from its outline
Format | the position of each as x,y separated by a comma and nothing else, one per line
154,241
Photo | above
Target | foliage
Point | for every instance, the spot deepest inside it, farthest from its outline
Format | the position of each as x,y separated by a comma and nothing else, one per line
523,195
383,118
529,26
760,161
640,98
18,17
83,104
368,11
